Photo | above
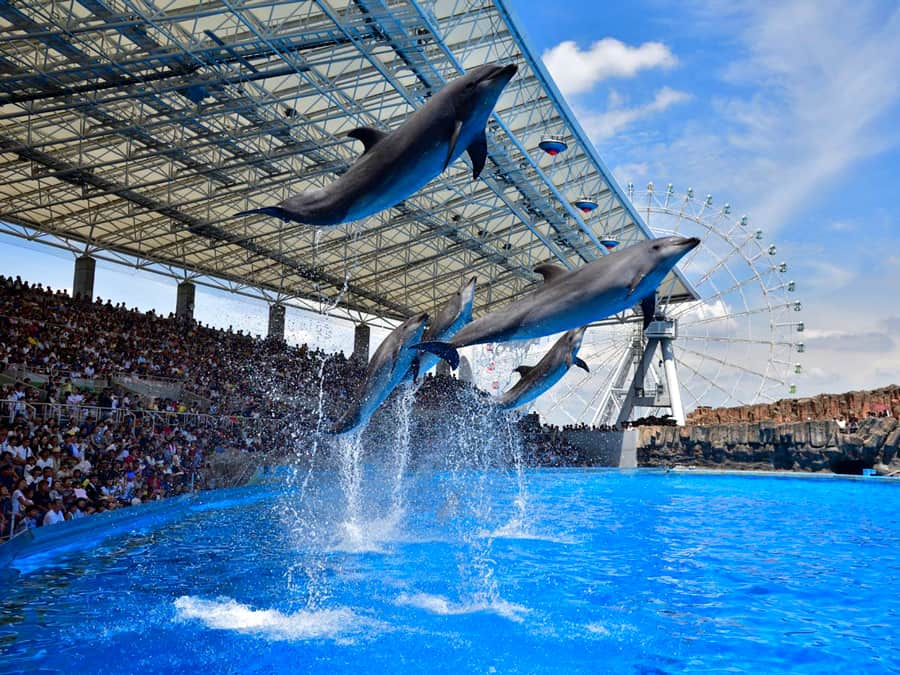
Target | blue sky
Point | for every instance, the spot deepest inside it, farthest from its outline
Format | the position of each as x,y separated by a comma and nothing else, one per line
790,111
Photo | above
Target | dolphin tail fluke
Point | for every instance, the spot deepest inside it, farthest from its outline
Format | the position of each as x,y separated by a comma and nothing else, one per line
275,211
443,350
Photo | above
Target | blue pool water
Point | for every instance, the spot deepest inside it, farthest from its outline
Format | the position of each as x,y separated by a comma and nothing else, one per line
580,571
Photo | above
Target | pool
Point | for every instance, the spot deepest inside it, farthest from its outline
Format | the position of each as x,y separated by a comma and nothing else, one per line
556,570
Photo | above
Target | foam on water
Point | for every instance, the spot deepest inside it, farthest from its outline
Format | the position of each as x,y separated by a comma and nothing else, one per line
515,530
229,614
368,536
438,604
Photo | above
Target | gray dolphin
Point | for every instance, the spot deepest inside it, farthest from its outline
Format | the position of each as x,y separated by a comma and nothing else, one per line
549,370
395,165
455,314
568,300
387,368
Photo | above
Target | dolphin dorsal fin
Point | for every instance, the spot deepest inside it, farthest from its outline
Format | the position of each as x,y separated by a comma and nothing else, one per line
368,135
523,370
550,272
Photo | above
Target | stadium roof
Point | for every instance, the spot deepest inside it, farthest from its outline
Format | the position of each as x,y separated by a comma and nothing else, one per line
134,131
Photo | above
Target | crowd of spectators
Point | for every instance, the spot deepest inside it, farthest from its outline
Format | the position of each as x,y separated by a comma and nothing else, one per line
218,371
52,470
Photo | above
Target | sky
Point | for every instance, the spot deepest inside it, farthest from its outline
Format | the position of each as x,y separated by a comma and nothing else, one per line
789,111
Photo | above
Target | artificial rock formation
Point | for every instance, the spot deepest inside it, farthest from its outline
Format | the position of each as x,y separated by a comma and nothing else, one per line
857,404
798,446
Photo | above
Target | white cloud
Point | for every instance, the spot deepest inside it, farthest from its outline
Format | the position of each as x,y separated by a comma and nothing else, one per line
606,124
810,92
576,70
845,341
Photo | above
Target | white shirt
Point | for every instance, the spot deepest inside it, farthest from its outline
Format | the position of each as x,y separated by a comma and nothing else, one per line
16,504
52,517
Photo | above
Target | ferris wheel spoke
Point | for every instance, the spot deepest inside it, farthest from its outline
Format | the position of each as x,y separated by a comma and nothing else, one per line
706,379
746,312
727,364
731,340
725,292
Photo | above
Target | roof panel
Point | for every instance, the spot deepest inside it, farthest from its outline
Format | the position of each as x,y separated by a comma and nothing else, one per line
143,129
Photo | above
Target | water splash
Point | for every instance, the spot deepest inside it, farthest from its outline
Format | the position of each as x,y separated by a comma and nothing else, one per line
350,470
401,448
228,614
438,604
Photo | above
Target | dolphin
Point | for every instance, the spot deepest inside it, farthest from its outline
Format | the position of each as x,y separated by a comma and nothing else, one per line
386,369
455,314
397,164
549,370
569,299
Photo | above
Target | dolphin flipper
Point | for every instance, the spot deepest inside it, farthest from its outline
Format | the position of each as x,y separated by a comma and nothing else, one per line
648,308
581,364
454,139
478,154
443,350
276,211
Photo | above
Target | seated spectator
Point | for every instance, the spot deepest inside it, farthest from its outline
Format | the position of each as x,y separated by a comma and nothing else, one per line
55,514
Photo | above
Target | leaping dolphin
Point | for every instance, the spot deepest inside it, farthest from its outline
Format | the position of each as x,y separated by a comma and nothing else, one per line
569,299
455,314
395,165
387,368
549,370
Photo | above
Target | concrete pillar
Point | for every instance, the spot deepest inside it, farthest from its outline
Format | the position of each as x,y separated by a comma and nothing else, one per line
184,300
443,369
465,371
83,282
361,342
276,321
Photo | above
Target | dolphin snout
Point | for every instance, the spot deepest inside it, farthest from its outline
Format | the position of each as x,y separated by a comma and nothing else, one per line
688,242
507,72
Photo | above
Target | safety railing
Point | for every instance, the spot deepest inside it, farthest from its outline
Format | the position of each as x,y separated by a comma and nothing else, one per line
75,414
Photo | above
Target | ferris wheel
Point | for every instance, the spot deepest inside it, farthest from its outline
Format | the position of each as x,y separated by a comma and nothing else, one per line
738,342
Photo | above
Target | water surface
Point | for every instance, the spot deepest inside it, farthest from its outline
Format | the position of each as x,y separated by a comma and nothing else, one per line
575,571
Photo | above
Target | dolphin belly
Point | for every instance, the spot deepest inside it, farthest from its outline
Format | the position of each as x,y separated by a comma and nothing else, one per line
390,185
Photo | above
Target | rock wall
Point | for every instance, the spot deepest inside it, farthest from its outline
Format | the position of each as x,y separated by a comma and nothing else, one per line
822,407
797,446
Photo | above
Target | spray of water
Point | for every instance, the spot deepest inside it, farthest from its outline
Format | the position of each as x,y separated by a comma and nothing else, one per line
401,450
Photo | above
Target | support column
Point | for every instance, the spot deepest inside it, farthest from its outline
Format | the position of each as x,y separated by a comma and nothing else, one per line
635,396
443,369
361,342
83,282
276,321
184,300
672,382
465,370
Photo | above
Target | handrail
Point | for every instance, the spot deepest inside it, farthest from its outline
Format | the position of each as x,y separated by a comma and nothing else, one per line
61,411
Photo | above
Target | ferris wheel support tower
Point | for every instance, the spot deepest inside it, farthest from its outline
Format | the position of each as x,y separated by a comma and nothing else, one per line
659,334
